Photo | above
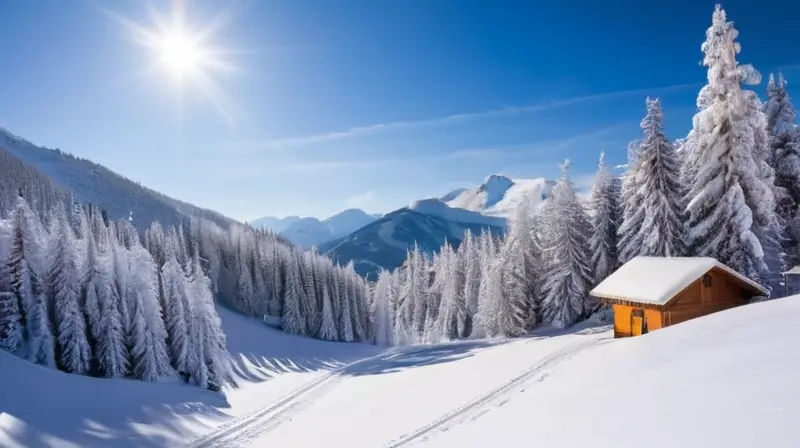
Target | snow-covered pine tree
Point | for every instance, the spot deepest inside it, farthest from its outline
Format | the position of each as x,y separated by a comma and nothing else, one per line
785,156
567,274
472,279
25,261
174,290
63,284
149,349
513,306
631,214
292,318
346,318
213,340
522,247
449,310
605,222
662,232
11,319
327,329
382,313
720,221
412,306
100,298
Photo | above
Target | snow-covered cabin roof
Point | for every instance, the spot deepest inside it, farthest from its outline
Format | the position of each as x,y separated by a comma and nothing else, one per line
656,280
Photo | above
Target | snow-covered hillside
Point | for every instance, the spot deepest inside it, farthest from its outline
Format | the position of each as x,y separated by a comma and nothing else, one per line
499,195
96,184
728,379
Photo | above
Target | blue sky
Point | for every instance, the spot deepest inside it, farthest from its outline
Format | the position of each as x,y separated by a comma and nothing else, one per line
333,104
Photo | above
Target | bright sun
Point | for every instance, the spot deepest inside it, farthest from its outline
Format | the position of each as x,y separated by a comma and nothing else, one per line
185,52
181,54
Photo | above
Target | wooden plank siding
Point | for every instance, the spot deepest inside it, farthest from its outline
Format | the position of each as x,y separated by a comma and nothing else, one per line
725,291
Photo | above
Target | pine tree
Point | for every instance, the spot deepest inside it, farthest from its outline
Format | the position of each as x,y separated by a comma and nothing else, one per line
382,309
100,299
327,330
64,287
513,306
605,221
292,319
206,323
472,280
149,350
175,290
662,233
629,239
784,144
28,285
567,276
11,320
719,219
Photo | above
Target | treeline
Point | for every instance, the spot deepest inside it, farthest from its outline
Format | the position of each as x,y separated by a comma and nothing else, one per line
729,190
258,274
82,294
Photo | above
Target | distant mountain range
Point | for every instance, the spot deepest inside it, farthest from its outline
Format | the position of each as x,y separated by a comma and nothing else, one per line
432,221
310,232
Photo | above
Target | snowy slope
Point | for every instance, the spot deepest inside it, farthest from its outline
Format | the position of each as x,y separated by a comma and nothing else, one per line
499,195
308,232
41,407
729,379
96,184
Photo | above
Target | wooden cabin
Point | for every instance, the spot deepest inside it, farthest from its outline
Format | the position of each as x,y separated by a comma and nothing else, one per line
648,293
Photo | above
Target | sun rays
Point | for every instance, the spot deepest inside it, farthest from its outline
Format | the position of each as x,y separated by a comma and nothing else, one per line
183,54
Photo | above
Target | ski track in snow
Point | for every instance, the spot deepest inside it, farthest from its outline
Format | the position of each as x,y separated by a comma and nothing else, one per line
482,404
242,431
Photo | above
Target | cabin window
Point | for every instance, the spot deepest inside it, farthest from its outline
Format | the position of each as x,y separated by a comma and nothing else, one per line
707,281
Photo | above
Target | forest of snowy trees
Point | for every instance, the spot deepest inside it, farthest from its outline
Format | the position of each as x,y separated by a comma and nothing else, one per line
729,190
91,296
81,294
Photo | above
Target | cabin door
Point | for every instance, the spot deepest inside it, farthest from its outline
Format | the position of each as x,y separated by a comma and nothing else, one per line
638,322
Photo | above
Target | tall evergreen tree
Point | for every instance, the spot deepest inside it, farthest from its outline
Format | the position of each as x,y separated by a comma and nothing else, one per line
785,157
719,219
63,284
25,266
567,276
662,233
382,309
149,350
605,221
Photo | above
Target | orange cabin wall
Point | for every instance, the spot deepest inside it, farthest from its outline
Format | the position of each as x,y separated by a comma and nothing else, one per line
695,300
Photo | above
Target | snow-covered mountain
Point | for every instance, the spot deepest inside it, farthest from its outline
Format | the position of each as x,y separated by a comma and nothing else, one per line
431,221
92,183
309,232
499,195
428,223
725,380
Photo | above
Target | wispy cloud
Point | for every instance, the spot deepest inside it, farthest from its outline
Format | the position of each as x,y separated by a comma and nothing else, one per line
509,111
538,150
362,200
